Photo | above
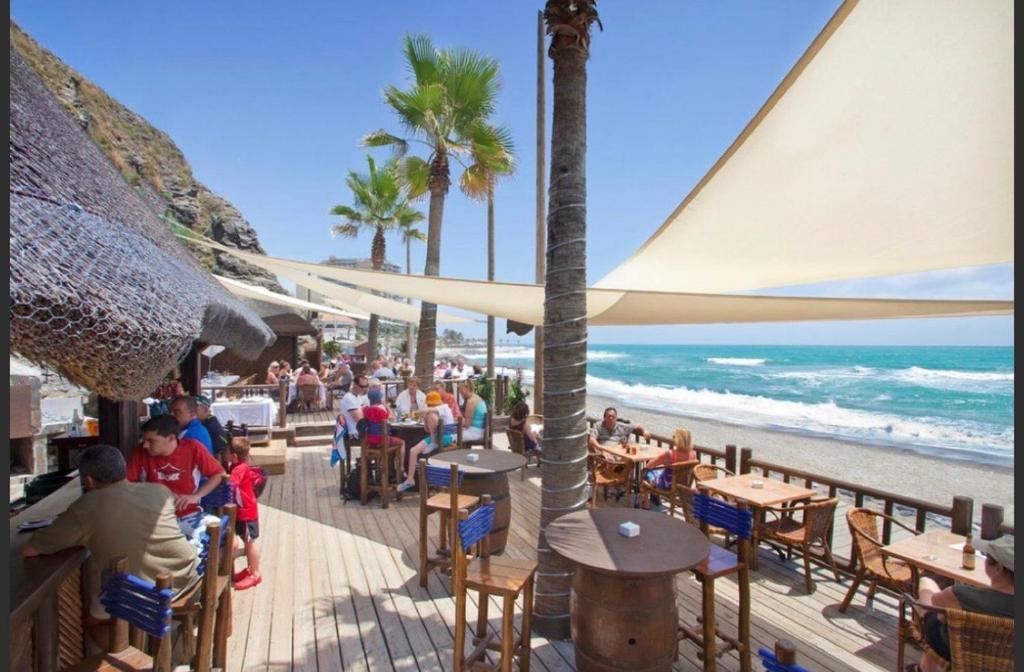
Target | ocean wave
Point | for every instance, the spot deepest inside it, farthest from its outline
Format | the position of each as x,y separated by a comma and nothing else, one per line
524,352
736,361
919,374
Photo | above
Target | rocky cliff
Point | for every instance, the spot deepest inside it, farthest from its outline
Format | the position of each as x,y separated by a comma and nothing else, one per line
151,162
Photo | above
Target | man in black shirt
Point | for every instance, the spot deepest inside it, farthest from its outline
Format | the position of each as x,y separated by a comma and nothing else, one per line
213,426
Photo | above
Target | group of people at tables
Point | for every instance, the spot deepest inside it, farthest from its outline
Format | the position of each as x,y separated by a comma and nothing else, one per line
147,507
364,403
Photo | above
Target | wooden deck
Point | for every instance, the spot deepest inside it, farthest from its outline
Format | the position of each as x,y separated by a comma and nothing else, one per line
340,590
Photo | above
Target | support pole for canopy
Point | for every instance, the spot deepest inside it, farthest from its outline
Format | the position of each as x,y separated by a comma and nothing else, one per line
190,369
538,332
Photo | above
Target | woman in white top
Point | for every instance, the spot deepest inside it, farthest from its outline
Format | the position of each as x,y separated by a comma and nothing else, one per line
437,413
411,399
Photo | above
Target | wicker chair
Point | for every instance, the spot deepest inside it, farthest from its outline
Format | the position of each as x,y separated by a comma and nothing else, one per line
706,472
607,472
682,474
308,395
517,445
811,531
977,642
880,570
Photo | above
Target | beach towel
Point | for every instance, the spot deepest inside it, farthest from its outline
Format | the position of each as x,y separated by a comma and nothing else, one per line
338,446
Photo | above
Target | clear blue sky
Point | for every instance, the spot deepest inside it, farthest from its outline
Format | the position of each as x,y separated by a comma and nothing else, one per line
268,101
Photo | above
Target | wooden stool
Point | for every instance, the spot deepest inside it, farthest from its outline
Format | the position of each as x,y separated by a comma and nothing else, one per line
782,659
503,577
445,503
384,455
130,601
737,520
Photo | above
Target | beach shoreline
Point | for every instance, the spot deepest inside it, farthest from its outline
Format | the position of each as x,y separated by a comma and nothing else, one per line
936,479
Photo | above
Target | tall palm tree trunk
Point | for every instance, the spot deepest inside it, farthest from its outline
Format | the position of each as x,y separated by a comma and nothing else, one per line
427,342
378,250
408,271
564,465
490,276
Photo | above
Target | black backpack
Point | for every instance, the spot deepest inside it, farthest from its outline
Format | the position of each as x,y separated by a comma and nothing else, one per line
352,488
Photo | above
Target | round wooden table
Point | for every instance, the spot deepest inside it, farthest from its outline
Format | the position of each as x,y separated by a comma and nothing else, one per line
487,476
623,604
410,432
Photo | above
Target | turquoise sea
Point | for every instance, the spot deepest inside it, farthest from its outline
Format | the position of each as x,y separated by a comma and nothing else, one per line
951,401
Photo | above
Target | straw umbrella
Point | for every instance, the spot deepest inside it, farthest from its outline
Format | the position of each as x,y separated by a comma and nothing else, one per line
564,467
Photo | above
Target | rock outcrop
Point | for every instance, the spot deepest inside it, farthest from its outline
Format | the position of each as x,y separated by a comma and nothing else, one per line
151,162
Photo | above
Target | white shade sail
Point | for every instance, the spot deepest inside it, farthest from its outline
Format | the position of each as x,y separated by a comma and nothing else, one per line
248,291
888,149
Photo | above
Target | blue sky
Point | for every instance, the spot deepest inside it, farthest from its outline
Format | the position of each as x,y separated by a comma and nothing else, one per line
268,102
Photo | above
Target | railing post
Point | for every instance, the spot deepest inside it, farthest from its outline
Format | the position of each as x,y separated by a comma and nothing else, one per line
745,455
991,521
963,515
785,652
730,458
282,396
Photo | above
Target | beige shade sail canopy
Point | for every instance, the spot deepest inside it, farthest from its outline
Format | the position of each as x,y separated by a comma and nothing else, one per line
249,291
888,149
525,302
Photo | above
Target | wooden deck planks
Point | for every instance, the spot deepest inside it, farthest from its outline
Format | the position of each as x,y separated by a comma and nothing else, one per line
340,590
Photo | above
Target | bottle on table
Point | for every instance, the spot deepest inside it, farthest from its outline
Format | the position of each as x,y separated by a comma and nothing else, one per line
969,555
75,429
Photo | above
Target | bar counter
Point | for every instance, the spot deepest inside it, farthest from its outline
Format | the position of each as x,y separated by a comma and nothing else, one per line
46,594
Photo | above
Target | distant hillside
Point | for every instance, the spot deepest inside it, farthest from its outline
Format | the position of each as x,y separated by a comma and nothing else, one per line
150,161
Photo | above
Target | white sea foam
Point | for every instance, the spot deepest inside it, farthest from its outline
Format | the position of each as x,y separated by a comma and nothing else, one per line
736,361
922,375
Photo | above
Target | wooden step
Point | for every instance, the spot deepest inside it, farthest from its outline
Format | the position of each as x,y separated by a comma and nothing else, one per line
315,430
273,458
317,440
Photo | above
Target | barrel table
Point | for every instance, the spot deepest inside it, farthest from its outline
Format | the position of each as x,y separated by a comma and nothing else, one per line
623,604
487,476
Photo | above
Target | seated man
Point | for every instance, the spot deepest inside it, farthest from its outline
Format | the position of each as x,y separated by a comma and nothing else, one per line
340,378
174,463
212,425
610,431
114,517
352,406
995,601
185,411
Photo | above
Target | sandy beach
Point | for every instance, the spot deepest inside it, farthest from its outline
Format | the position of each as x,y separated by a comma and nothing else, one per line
931,479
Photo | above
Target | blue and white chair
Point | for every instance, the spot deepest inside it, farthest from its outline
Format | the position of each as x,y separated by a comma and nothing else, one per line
447,504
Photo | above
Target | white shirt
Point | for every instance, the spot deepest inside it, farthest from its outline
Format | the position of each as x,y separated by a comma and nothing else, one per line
404,402
349,403
444,414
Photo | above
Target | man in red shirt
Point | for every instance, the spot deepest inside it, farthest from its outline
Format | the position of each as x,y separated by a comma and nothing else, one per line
177,464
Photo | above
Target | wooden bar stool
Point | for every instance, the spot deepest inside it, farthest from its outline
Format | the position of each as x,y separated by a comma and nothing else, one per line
133,602
444,503
782,659
499,576
737,520
384,454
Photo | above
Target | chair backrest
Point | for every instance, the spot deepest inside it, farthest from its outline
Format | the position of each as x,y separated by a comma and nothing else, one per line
705,472
145,605
736,519
515,441
476,526
209,553
308,392
441,477
780,660
818,518
682,473
377,429
979,642
863,525
222,495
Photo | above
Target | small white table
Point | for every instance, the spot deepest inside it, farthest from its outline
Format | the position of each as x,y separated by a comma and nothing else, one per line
260,412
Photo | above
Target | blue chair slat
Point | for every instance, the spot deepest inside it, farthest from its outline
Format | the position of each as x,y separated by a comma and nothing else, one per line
204,553
224,522
477,526
440,477
772,664
222,495
451,429
723,514
139,602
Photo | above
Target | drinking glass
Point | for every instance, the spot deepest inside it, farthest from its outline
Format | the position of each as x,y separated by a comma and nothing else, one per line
932,544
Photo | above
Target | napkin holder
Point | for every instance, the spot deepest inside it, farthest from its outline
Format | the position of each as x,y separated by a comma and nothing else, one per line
629,529
757,484
472,457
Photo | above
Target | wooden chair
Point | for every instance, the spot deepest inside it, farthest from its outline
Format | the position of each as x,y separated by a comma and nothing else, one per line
738,520
517,444
134,603
486,442
706,471
811,531
308,395
498,576
385,456
682,474
879,569
607,472
447,504
977,642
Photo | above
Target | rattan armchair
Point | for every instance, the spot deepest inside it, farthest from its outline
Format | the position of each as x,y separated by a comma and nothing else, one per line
605,471
682,475
707,471
977,642
807,533
872,565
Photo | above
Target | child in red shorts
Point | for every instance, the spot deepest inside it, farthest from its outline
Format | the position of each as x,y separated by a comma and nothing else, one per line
247,525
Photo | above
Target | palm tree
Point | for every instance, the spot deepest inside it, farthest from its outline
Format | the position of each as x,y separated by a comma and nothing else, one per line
409,234
379,205
447,109
564,467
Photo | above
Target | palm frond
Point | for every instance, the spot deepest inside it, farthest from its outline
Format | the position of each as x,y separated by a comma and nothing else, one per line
381,138
415,176
421,58
346,230
476,182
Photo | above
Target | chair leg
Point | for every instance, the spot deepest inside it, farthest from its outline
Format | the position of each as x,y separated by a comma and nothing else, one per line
481,615
384,459
188,635
831,561
871,594
744,619
364,481
508,635
708,623
460,630
221,630
442,533
525,650
852,591
808,583
423,546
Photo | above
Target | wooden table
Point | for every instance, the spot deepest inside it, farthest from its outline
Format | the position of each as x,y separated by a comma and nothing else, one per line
410,432
949,557
487,476
623,604
65,444
773,493
644,454
46,594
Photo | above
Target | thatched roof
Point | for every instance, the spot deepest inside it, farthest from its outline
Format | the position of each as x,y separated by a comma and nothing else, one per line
282,321
100,288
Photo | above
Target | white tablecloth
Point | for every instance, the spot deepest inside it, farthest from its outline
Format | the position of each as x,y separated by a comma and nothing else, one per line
293,392
257,413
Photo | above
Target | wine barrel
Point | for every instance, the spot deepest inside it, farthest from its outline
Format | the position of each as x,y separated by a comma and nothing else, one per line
630,624
495,485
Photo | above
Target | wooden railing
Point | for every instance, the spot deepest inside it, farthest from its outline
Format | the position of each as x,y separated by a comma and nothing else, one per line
220,392
960,512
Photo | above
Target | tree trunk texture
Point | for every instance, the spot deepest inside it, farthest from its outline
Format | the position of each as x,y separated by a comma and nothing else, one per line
540,248
408,326
490,277
378,251
427,342
564,465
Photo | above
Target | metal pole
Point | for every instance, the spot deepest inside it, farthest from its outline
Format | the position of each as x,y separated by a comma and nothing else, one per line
541,244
